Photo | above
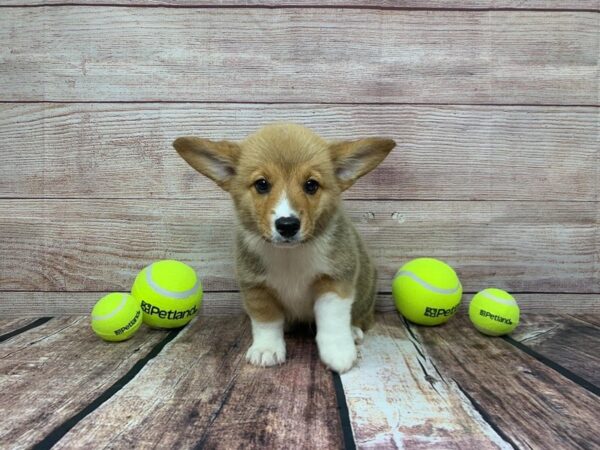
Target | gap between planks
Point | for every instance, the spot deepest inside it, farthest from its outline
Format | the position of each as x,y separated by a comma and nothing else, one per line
53,371
237,406
572,341
240,405
477,425
297,103
374,199
429,163
545,409
10,328
298,5
404,367
101,245
398,398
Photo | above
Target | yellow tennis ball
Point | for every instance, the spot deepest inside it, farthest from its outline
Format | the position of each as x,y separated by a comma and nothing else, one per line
427,291
494,312
170,294
116,317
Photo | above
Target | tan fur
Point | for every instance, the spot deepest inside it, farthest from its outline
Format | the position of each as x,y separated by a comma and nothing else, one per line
326,284
286,281
261,303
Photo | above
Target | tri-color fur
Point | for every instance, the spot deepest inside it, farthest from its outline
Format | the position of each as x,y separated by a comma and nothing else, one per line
322,273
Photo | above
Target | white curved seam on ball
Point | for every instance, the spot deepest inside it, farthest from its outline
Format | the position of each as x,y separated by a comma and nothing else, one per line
112,314
171,294
504,301
425,284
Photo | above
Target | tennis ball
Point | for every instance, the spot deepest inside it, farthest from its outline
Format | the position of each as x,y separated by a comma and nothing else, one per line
170,294
427,291
494,312
116,317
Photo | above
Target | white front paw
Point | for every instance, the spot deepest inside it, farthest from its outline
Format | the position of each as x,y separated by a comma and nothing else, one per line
266,354
337,352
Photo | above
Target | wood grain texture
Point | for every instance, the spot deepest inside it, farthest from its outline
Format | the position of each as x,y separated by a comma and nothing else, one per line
572,342
528,303
53,371
18,306
298,55
100,245
590,317
9,322
444,152
532,405
397,398
199,392
420,4
23,306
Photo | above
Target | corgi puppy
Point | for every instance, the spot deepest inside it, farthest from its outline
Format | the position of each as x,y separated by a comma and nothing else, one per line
299,257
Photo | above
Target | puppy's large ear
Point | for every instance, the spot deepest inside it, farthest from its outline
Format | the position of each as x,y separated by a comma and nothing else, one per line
353,159
216,160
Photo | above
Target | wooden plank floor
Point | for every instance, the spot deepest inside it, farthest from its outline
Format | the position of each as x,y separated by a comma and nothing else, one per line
200,392
413,387
51,372
530,403
573,342
397,399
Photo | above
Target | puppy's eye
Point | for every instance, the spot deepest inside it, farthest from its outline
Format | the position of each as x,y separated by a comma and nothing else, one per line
262,186
311,186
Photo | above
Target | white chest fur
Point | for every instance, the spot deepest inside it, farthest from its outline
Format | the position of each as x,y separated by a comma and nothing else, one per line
291,272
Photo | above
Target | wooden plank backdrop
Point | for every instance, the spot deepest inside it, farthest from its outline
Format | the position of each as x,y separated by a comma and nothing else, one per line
298,55
444,152
494,105
586,5
98,245
60,303
200,393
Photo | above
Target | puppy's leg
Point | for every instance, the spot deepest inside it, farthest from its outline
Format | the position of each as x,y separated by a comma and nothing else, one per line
335,339
357,335
268,346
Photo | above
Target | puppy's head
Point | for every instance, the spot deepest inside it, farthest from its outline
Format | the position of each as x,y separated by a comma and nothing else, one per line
285,180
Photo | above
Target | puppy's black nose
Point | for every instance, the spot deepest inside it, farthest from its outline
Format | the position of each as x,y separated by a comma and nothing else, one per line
287,226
